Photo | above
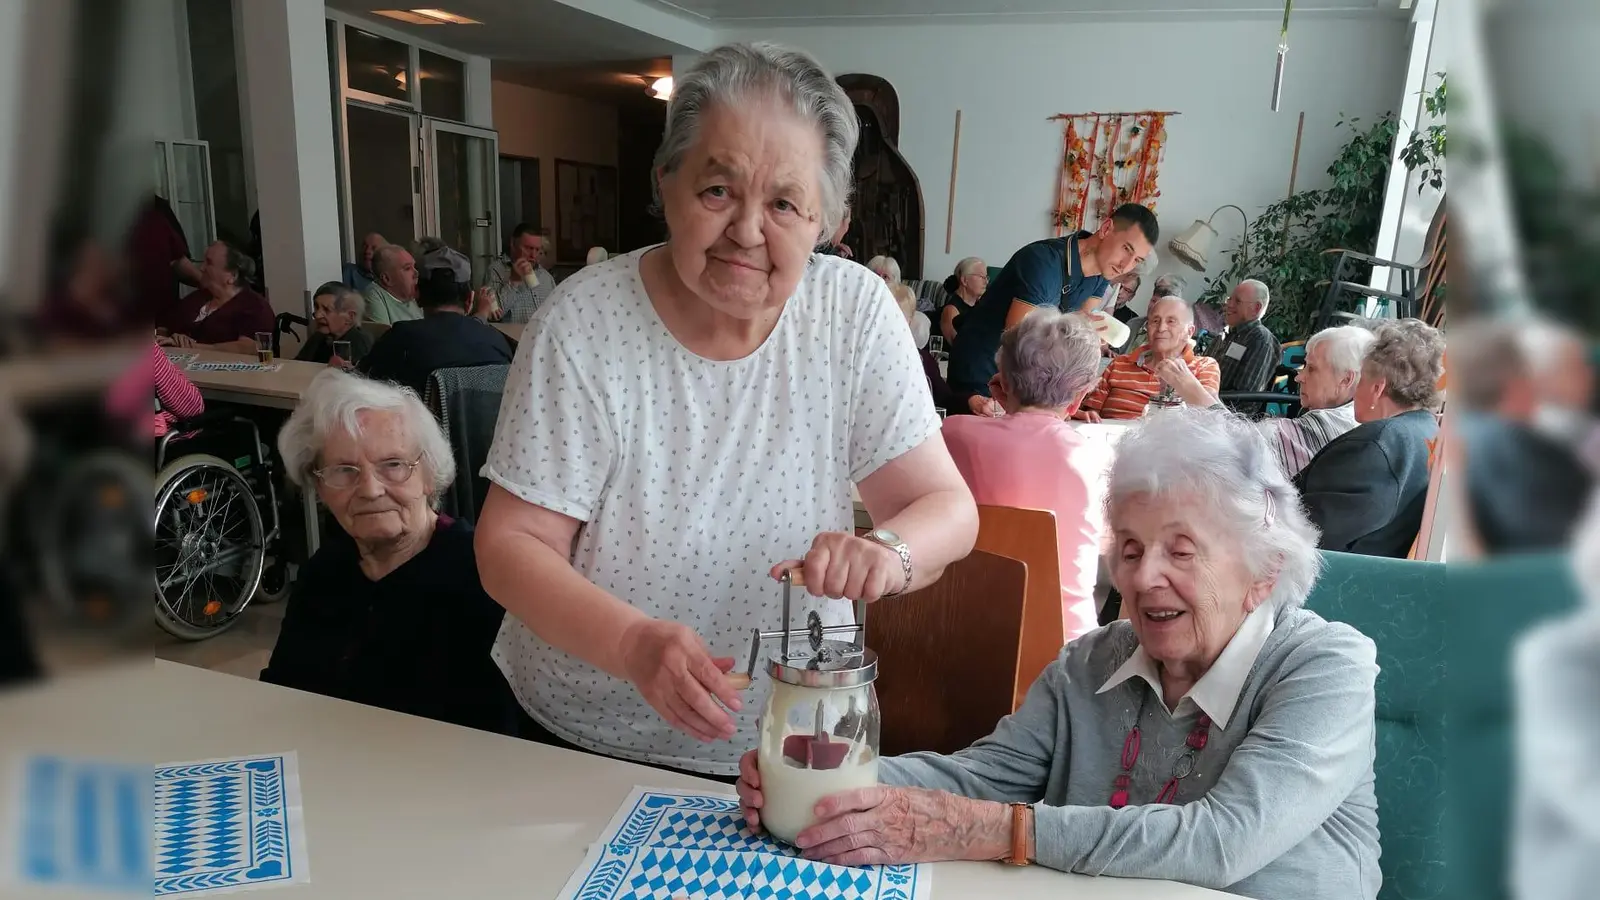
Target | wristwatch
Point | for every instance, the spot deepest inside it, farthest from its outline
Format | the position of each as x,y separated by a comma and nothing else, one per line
886,538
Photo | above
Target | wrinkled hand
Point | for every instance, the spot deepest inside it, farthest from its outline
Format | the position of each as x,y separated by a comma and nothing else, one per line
522,267
181,340
1089,415
985,406
887,825
1177,375
334,362
842,565
679,678
165,340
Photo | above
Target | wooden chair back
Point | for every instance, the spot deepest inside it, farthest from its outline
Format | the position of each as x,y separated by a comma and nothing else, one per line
1029,536
947,655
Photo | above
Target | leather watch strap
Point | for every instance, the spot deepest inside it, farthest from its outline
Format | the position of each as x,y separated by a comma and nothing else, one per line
1021,832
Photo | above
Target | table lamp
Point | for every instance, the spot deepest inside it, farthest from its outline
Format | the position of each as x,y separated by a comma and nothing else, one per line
1192,246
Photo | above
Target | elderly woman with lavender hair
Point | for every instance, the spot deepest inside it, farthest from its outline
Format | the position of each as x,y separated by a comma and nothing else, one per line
1221,736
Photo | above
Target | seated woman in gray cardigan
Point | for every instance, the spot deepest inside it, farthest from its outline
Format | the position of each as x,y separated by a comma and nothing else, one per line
1222,736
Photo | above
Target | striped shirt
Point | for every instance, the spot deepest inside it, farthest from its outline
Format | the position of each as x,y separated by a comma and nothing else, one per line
1129,383
1297,440
176,397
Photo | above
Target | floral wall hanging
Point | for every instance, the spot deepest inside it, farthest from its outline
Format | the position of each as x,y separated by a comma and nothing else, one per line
1107,159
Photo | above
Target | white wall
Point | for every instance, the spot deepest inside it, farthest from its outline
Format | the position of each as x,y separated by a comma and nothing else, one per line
550,126
159,61
1227,147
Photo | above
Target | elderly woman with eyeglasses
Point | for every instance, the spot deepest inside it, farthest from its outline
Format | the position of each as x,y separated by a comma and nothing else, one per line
389,611
1221,736
685,422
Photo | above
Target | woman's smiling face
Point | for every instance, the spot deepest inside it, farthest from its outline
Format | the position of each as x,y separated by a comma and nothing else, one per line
1184,584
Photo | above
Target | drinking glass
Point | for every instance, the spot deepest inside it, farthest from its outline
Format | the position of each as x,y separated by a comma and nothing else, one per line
264,347
341,349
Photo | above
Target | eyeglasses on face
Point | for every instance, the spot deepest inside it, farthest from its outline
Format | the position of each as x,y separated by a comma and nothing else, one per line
390,471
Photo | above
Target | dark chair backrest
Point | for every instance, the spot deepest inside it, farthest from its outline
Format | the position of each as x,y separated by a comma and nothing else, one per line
947,655
285,324
467,403
1402,606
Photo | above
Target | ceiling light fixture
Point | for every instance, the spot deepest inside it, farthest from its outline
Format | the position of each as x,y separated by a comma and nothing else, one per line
661,88
425,17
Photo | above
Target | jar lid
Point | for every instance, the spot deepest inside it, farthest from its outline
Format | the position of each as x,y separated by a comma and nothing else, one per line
837,664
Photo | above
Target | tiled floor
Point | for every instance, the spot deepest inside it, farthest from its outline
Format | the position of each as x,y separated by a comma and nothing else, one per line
242,650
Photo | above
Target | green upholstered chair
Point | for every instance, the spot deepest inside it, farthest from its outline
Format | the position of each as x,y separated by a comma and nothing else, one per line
1401,605
1491,603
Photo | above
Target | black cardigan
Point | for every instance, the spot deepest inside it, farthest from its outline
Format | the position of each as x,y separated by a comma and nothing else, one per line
1366,490
415,641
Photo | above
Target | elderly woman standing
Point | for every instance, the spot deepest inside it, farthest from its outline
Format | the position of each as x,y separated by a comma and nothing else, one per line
1221,736
336,317
684,422
1367,488
965,287
1032,459
886,268
388,612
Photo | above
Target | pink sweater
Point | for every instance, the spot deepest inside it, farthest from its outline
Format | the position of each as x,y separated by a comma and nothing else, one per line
178,396
1036,461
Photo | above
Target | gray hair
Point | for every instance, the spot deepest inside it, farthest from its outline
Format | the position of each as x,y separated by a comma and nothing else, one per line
1168,285
1258,291
736,72
1223,460
385,258
345,298
335,400
1049,358
881,265
968,266
1347,346
1188,307
1408,354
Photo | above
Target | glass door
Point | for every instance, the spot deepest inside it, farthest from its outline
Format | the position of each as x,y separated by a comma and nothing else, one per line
183,178
382,176
462,195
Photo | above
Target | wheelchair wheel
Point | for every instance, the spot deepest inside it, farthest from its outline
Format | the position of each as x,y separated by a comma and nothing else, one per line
210,546
93,551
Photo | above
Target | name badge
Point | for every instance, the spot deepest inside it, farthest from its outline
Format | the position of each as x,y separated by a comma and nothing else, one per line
1234,351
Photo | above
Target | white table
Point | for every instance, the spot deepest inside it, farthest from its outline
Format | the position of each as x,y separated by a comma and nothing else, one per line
400,807
273,390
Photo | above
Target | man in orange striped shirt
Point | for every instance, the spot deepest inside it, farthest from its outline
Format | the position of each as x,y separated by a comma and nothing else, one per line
1129,382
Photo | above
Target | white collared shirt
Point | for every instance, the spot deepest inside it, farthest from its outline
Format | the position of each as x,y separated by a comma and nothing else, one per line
1217,691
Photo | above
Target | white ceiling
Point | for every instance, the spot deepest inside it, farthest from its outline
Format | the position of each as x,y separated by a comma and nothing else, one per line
800,12
538,32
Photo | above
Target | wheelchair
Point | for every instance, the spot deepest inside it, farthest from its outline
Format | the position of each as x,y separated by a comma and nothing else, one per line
218,535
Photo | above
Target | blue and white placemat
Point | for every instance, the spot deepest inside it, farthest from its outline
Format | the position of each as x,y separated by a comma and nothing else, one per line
663,844
78,823
199,366
225,825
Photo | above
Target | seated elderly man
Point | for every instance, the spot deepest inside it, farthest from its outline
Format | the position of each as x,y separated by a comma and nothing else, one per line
1366,490
389,611
446,337
336,317
392,295
1129,383
520,281
1249,353
1327,394
1221,736
1031,458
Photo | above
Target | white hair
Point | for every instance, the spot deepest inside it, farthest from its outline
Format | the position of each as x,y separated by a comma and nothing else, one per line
334,402
1259,291
1222,460
885,265
1049,358
1168,285
596,256
1347,346
738,72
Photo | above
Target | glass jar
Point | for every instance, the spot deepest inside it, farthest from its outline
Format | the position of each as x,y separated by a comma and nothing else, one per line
819,734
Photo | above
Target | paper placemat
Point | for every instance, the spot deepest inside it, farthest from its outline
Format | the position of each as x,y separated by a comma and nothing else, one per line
233,367
663,844
227,825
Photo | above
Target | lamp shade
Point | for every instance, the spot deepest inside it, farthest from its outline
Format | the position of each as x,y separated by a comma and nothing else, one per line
1192,246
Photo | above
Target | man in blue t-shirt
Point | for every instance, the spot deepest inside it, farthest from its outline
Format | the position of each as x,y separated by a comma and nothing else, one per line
1070,273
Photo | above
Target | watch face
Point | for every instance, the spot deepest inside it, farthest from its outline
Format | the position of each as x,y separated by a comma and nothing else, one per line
885,535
